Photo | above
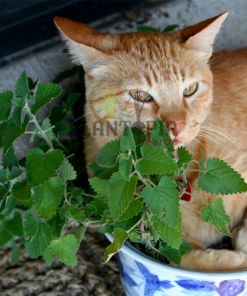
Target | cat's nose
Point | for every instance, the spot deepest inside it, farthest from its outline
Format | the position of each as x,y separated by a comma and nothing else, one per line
176,127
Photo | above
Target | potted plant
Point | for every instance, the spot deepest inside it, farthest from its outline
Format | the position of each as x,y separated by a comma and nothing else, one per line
134,176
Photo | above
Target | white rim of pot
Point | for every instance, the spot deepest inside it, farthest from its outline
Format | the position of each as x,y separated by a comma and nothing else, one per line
132,252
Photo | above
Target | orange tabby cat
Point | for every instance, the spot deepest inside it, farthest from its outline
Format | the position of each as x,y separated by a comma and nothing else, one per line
171,76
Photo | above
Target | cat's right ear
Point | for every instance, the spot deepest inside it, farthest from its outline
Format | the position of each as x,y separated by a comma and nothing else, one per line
201,36
86,45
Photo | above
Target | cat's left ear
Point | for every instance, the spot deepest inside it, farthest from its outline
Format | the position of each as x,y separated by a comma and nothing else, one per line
201,36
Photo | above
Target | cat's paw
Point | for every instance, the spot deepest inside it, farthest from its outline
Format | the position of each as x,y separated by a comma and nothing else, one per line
239,237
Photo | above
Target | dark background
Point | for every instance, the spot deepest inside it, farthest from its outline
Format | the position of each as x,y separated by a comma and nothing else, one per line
26,23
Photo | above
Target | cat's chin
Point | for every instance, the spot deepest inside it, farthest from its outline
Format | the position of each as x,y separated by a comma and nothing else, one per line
177,144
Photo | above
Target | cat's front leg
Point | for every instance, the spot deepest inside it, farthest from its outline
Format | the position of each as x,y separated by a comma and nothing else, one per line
239,236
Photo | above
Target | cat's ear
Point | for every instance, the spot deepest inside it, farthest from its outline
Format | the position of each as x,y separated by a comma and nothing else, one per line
86,45
201,36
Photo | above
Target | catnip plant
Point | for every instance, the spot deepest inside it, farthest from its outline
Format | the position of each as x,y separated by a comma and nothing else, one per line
133,194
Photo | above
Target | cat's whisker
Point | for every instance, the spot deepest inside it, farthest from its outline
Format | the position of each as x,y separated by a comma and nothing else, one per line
206,136
223,132
81,117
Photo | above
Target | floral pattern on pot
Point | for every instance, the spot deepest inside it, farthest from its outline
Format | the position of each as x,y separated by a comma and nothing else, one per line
138,280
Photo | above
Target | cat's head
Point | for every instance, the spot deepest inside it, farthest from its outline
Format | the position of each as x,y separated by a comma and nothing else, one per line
137,77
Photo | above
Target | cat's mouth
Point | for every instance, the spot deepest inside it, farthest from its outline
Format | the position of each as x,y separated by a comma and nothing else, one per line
177,144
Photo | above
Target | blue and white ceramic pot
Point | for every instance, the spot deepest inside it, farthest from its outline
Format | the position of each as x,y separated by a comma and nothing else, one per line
144,276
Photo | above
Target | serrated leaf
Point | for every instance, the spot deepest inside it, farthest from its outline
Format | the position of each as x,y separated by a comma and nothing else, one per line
174,255
47,197
80,232
91,209
65,74
160,136
77,213
17,115
5,104
47,255
99,185
5,236
45,92
134,237
220,178
64,249
100,205
120,194
21,191
125,166
38,236
108,172
15,254
140,138
133,209
14,225
117,244
172,236
166,195
154,161
108,154
66,171
72,99
127,141
3,176
40,166
21,87
106,229
170,28
183,156
216,214
107,218
9,132
3,192
18,101
15,172
128,224
56,223
62,127
10,158
46,124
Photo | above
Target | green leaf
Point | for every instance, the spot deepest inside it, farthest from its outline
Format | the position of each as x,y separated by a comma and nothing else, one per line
64,249
125,166
183,156
10,159
21,87
15,172
174,255
47,255
108,172
56,223
80,232
127,141
45,92
216,214
62,127
172,236
40,166
47,197
116,246
91,209
65,74
17,115
15,254
154,161
38,236
5,104
221,178
170,28
72,99
99,185
66,171
5,236
14,225
107,218
120,194
130,223
160,136
18,101
108,154
100,205
133,209
140,138
3,192
134,237
146,28
21,191
166,195
3,176
77,213
46,124
9,132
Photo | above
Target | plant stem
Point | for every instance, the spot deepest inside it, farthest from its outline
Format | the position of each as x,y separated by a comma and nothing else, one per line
194,171
142,217
140,176
150,181
197,198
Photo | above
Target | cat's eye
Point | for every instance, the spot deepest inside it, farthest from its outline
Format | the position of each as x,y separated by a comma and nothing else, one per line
140,96
190,90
